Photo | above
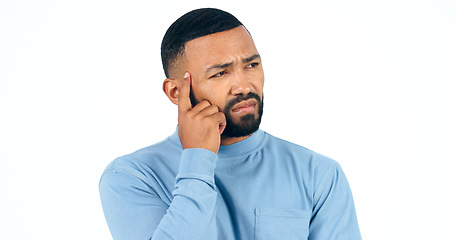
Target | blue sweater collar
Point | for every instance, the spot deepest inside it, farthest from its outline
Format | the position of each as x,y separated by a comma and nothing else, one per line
247,146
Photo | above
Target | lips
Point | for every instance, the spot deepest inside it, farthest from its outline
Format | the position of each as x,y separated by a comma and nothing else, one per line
243,106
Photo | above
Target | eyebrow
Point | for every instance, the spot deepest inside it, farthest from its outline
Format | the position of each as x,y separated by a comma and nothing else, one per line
225,65
249,59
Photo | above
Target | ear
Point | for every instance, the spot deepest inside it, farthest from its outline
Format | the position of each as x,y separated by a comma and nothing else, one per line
171,89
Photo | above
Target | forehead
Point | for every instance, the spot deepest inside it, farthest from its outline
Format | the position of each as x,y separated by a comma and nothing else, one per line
221,47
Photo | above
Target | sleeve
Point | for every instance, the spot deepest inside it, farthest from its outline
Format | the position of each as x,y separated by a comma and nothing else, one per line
133,210
334,215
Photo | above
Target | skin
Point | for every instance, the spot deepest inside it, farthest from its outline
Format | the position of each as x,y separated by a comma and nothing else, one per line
217,68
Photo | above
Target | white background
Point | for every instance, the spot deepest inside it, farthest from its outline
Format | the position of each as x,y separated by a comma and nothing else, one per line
368,83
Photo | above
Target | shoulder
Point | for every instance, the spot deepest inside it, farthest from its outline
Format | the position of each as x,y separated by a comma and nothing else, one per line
286,148
312,168
164,154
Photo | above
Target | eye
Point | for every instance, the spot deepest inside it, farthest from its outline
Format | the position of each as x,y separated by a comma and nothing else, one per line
219,74
252,65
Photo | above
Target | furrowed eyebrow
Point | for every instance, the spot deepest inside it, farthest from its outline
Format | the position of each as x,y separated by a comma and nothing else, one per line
225,65
249,59
218,66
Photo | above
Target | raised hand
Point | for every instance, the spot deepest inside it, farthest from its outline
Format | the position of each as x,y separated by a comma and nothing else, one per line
199,126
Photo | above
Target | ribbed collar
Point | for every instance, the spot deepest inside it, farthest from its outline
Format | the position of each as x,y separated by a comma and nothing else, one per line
245,147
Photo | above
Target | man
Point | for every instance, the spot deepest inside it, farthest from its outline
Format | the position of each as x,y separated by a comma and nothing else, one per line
218,176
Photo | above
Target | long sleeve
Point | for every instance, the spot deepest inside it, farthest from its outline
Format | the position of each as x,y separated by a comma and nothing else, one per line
260,188
334,215
134,210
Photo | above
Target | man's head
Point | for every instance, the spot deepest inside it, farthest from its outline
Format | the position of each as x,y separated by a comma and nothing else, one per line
225,67
195,24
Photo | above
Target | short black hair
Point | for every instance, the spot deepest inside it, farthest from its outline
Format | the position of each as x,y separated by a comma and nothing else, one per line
192,25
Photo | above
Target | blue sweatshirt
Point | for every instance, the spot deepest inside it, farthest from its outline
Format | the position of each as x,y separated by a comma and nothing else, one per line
260,188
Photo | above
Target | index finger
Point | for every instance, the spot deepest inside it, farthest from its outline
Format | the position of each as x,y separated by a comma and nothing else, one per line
184,102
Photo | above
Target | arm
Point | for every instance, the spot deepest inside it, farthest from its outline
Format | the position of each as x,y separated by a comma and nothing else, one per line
133,209
334,215
191,214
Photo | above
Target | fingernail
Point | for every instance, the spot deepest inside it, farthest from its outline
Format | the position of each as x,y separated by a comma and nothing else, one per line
186,76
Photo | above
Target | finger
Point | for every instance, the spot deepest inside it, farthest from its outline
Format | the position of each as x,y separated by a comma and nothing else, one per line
208,110
184,102
201,106
221,118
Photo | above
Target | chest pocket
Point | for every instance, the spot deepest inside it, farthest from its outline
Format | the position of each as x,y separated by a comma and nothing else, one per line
280,224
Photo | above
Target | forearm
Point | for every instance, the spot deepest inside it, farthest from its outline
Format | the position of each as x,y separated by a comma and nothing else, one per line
191,214
135,209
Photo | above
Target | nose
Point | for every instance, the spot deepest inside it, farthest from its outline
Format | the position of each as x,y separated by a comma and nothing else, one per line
241,84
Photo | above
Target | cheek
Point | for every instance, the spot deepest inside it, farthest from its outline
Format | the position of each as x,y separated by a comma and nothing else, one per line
257,81
214,94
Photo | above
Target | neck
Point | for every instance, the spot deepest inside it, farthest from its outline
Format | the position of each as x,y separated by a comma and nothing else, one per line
231,140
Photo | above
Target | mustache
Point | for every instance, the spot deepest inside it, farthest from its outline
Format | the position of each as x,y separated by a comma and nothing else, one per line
241,98
231,103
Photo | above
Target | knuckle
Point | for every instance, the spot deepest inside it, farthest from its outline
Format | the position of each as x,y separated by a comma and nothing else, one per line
214,108
221,115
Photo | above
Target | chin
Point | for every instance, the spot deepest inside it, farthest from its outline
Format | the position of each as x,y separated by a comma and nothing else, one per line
247,125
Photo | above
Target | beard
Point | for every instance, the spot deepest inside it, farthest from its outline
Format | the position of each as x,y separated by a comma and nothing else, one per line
248,124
